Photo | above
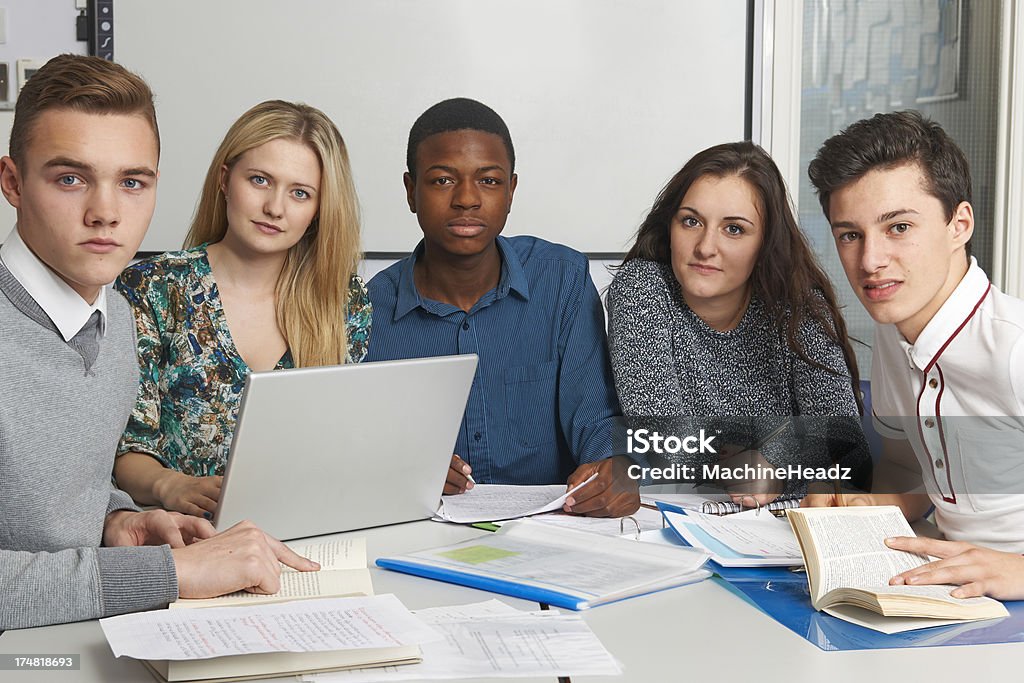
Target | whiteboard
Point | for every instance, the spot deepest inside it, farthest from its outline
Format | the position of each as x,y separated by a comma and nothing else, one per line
605,99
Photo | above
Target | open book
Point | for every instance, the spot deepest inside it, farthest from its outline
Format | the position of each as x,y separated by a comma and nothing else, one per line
849,567
342,572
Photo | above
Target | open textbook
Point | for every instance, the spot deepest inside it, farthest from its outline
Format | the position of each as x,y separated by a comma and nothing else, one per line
255,641
541,562
342,572
849,567
498,502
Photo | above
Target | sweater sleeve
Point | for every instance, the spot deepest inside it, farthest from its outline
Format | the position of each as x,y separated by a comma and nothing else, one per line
42,588
640,342
119,500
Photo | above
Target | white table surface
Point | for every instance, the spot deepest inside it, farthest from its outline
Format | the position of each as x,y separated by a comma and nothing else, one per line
98,665
695,633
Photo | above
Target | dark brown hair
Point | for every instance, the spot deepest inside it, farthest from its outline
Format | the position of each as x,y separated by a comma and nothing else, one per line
888,140
79,83
786,277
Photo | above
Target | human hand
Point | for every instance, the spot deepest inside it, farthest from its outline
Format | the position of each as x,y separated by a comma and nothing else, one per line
459,477
612,493
977,570
749,492
154,527
241,558
183,493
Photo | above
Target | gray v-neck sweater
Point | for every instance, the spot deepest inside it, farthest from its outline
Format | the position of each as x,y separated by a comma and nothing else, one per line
60,420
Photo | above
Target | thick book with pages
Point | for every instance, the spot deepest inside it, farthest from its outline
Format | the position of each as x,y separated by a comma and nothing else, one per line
343,573
849,567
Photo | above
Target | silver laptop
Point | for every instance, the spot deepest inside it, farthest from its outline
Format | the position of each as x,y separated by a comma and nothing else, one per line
323,450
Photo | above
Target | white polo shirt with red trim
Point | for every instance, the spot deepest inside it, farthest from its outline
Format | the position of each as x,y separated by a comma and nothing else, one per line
957,394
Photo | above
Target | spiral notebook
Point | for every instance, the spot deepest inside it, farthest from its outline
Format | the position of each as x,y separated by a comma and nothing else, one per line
777,507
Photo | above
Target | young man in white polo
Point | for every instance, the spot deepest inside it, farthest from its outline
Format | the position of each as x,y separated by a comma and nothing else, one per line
82,175
947,377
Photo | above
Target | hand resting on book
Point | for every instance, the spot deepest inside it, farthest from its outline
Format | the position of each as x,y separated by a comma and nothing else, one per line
977,570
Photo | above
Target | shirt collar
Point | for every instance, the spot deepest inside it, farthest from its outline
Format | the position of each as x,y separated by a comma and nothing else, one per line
952,316
64,306
513,278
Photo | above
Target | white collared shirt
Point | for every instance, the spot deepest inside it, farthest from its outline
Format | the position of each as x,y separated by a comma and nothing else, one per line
957,394
65,307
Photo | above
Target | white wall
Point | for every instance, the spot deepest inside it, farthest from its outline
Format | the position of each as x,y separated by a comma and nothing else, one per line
36,29
605,99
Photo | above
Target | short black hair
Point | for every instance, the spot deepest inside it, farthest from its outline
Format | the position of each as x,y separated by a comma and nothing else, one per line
888,140
459,113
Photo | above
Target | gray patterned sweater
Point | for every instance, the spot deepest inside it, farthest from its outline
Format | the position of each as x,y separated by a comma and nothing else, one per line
673,369
60,420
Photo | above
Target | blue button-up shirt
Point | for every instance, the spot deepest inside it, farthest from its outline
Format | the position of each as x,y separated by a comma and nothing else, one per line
543,400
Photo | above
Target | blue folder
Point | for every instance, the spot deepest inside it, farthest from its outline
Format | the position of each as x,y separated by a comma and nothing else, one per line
785,596
788,602
511,588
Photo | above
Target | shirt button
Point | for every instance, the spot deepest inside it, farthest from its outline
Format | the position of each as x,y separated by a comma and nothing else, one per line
929,423
465,326
938,464
478,436
933,382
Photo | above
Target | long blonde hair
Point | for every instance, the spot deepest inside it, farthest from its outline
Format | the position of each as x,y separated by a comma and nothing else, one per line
313,287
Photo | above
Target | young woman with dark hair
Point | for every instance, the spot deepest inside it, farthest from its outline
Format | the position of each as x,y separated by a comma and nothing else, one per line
721,310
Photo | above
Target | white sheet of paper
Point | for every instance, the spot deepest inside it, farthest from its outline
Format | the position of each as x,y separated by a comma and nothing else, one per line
301,626
646,520
495,502
491,639
687,501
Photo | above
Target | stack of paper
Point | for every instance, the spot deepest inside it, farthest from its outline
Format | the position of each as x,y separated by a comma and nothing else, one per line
262,640
491,639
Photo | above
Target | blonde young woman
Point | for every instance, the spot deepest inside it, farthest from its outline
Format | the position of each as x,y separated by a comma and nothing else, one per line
267,281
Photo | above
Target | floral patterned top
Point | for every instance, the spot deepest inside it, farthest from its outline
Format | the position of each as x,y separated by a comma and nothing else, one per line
191,373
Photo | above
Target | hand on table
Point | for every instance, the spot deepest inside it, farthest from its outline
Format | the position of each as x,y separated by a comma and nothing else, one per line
611,494
241,558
